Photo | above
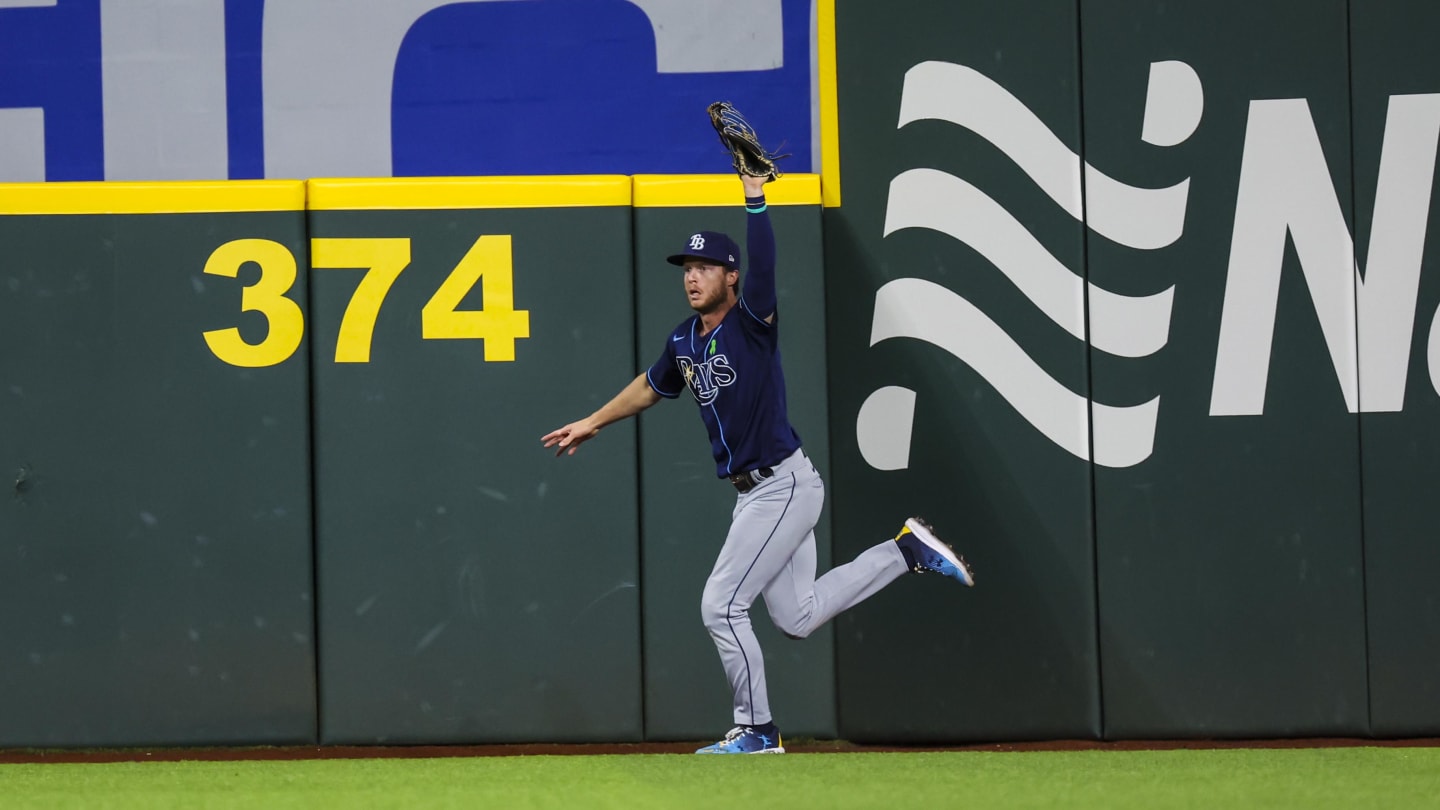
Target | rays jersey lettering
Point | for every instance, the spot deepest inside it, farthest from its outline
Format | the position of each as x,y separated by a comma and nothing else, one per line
735,376
706,378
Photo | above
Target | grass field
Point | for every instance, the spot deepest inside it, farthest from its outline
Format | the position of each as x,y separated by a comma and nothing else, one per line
1228,779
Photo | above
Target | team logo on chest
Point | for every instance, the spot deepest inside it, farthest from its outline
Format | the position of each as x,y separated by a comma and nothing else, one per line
708,376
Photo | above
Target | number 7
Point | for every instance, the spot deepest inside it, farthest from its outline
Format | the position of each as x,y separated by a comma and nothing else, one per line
383,260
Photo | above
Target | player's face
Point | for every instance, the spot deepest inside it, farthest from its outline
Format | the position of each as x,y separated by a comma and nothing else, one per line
706,285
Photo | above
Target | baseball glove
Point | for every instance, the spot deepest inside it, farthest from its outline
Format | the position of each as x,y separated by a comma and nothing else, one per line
739,139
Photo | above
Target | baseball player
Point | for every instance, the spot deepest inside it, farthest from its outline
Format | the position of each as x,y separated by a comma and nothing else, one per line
727,354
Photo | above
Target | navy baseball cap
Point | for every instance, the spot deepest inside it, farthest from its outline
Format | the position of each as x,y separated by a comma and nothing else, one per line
712,246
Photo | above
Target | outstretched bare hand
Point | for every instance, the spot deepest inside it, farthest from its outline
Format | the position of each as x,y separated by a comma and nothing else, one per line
570,437
632,399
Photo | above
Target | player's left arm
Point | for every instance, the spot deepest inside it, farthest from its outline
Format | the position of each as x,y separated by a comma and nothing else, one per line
759,297
632,399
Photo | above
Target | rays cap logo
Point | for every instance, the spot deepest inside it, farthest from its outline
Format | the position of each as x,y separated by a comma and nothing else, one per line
711,246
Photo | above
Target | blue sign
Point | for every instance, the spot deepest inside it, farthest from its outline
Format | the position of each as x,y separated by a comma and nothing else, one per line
237,89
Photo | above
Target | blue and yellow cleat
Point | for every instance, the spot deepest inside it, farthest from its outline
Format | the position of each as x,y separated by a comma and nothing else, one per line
746,740
925,553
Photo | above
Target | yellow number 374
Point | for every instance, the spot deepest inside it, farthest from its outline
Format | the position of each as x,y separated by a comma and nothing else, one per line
488,261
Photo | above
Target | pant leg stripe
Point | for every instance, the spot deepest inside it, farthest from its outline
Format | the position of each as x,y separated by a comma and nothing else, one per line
750,687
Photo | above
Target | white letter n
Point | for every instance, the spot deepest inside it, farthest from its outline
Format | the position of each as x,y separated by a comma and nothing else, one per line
1285,188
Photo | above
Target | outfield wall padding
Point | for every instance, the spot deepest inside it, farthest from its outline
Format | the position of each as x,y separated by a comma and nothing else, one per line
919,303
1231,592
1393,54
157,583
1131,300
474,587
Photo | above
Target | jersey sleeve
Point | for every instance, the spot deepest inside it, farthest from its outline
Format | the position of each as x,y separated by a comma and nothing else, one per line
758,298
664,375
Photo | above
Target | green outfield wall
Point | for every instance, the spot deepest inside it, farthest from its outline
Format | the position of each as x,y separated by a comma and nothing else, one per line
157,584
1171,262
912,311
1231,578
312,412
1134,301
475,588
1391,56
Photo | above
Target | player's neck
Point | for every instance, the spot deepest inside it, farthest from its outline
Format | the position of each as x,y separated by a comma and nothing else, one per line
710,320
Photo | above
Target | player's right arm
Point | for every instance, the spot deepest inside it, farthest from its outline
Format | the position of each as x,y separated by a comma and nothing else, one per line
634,398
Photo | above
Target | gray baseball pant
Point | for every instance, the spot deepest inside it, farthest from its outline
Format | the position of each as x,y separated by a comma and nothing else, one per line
770,551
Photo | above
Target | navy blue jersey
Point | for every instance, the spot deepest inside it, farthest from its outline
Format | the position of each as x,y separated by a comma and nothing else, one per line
734,371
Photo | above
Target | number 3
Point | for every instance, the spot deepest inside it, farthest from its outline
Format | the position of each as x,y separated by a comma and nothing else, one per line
286,323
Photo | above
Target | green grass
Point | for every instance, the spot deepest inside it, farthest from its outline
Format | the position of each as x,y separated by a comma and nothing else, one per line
1225,779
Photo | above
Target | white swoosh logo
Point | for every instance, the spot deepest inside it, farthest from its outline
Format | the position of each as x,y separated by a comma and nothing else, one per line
1121,325
923,310
1136,217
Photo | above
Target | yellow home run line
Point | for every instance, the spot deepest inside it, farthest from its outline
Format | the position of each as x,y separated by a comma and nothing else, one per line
217,196
829,103
398,194
716,190
411,193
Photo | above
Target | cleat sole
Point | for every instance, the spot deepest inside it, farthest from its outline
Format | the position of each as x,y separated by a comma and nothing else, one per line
926,534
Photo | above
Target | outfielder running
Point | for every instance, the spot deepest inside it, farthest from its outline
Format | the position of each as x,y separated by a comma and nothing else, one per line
728,355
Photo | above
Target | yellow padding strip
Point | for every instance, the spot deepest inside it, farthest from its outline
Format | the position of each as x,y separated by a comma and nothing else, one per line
409,193
829,102
696,190
217,196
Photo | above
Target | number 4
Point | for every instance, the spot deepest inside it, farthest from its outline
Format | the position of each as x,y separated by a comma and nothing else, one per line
498,323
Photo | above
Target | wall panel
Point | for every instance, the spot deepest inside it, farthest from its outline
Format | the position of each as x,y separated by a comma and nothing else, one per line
474,588
157,584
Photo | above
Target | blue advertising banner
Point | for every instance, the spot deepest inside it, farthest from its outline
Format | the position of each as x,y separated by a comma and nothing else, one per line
243,89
